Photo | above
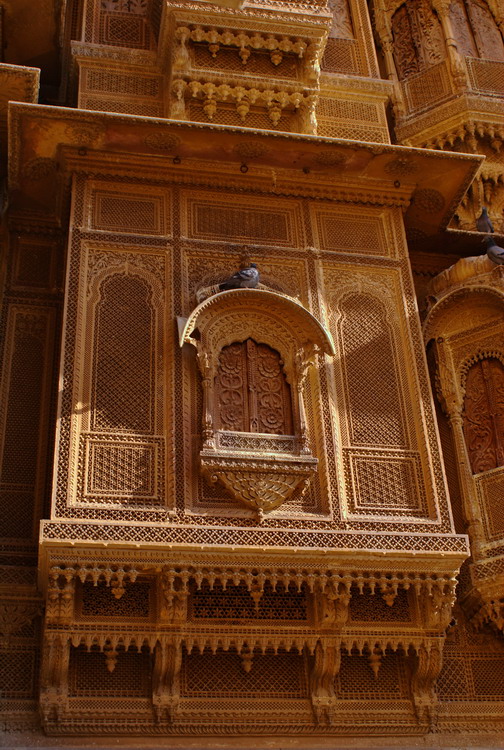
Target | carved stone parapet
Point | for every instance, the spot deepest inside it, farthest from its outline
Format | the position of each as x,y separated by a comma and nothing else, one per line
259,482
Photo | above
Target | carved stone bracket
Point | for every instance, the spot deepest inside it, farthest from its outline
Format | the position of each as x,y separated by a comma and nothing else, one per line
326,666
54,677
427,664
274,101
166,680
261,484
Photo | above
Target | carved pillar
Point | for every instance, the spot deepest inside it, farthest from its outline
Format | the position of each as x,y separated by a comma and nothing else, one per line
326,666
427,665
206,369
60,597
451,398
54,677
457,65
173,592
384,32
166,679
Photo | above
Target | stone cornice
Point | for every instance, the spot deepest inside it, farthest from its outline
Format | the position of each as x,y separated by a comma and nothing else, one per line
283,163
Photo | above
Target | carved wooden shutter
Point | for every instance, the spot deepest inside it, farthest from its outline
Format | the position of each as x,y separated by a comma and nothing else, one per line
484,415
251,391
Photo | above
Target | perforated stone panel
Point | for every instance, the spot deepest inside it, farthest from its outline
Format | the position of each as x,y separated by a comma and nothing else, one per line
222,675
98,602
236,603
89,676
356,679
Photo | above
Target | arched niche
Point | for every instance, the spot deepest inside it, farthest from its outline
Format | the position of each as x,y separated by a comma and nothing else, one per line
261,470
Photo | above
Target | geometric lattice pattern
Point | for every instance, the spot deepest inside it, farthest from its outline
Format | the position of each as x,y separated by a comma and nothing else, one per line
89,676
384,483
123,381
100,602
236,603
222,675
356,680
374,405
373,608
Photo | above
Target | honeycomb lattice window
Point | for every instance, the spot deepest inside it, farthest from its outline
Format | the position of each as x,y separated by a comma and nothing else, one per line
123,382
356,680
340,109
369,607
115,212
239,222
120,83
341,56
18,673
375,405
89,676
124,30
128,105
236,603
99,601
222,675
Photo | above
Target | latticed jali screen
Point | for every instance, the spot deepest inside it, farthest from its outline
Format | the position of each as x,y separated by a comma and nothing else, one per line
126,354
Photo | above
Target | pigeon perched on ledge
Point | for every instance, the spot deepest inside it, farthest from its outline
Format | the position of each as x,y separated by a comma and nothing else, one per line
494,252
245,278
483,222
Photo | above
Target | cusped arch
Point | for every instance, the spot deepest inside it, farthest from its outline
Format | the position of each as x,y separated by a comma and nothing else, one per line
269,317
446,315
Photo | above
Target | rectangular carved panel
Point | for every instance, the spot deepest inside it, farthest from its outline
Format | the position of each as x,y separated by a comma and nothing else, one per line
232,219
123,210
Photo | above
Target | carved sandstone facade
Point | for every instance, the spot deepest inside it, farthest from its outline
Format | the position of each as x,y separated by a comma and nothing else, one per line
261,512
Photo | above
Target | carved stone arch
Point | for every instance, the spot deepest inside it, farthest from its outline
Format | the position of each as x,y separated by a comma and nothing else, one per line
259,470
477,356
369,346
122,394
437,322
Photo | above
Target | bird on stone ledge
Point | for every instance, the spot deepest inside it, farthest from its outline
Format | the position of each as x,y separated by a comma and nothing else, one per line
493,251
245,278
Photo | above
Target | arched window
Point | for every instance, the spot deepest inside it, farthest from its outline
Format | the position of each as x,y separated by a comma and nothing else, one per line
484,414
251,390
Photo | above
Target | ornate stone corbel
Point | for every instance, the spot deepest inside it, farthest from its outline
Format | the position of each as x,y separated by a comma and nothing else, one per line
54,677
60,597
331,606
436,605
166,680
326,666
427,665
173,595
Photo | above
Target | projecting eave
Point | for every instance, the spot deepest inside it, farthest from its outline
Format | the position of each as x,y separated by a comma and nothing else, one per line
48,144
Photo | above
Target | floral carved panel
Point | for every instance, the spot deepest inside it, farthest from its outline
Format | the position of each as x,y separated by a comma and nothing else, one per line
484,414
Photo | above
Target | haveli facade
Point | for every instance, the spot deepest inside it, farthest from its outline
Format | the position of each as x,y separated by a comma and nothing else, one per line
274,511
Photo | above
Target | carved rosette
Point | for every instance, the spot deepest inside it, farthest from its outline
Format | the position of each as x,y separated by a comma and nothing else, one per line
261,468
